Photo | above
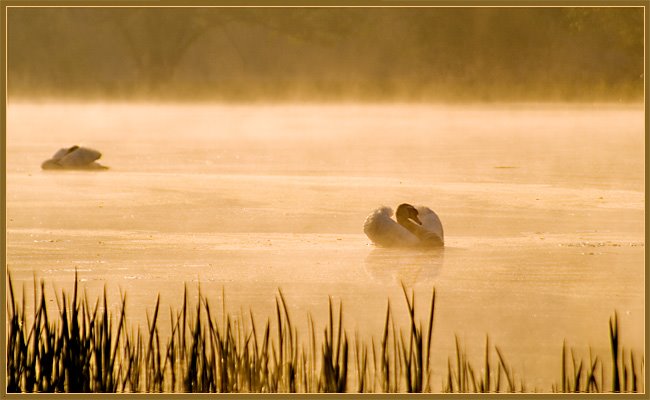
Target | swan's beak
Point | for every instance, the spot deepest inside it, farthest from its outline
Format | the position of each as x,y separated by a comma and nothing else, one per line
416,220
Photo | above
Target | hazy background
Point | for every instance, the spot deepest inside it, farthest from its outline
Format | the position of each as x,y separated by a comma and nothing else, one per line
405,54
540,185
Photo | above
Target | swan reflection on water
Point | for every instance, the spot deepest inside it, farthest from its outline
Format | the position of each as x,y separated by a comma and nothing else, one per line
410,249
411,266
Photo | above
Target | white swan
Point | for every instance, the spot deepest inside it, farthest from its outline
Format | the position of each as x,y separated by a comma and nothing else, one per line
415,227
74,157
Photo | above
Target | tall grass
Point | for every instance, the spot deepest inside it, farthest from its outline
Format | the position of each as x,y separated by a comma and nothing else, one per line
497,376
88,348
582,376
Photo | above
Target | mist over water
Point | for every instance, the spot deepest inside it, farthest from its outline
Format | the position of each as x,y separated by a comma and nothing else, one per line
246,147
543,209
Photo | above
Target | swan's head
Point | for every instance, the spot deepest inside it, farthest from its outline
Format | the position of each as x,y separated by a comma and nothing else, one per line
71,149
407,211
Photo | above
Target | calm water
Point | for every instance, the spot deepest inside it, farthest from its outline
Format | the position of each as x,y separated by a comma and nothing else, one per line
543,209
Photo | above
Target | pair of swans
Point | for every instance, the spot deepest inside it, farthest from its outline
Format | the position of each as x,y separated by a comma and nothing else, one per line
74,157
415,227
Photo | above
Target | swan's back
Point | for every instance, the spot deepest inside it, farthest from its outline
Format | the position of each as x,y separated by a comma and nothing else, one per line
80,157
385,232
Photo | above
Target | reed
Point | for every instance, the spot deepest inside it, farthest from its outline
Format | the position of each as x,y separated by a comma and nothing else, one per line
497,377
88,348
582,376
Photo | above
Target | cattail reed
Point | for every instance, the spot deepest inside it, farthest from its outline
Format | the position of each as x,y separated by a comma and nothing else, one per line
89,348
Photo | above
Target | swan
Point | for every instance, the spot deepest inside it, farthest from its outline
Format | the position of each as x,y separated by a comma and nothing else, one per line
74,157
415,227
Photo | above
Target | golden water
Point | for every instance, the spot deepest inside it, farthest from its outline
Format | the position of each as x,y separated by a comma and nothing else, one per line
543,209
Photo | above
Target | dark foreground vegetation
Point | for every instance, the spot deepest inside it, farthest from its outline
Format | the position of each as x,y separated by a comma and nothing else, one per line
86,348
327,53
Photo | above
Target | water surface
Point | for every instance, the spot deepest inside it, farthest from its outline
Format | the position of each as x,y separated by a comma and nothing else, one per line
543,209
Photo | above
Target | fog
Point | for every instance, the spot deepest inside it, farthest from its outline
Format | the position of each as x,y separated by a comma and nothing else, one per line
246,146
332,54
542,206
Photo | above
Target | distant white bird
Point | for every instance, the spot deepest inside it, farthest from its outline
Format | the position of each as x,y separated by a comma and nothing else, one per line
74,157
415,227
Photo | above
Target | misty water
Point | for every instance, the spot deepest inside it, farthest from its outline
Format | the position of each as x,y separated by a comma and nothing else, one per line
542,205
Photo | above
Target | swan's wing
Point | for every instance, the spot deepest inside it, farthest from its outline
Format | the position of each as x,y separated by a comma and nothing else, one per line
431,222
80,157
384,231
59,154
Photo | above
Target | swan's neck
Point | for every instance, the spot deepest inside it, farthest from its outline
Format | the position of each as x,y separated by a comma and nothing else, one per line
426,238
408,224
